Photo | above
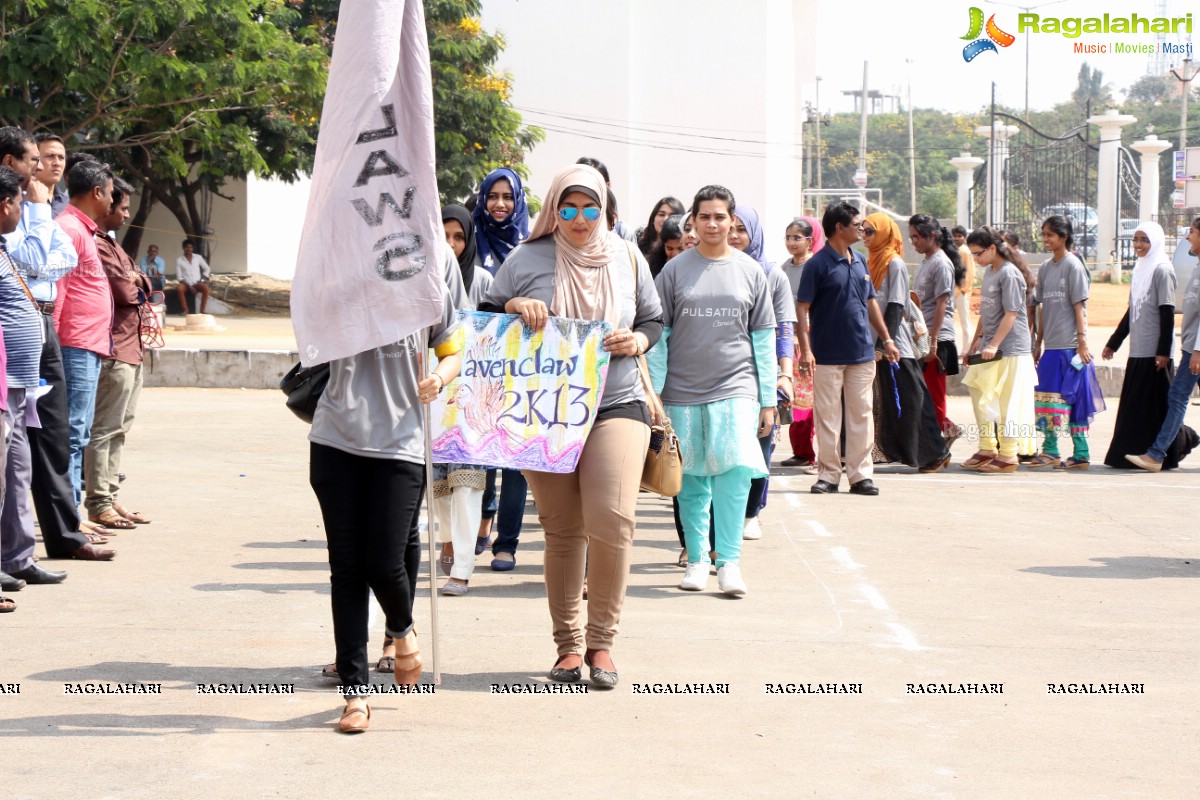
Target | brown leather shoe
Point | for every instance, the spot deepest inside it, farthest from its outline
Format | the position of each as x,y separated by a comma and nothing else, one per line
89,552
356,718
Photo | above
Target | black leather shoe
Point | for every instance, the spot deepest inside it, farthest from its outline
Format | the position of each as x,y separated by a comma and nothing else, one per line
35,574
601,678
865,486
10,584
824,487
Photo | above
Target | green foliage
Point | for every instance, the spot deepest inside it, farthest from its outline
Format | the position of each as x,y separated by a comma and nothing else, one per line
1149,90
178,94
938,137
476,129
1091,86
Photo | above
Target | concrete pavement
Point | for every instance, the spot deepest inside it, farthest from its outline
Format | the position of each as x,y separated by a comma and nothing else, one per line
946,581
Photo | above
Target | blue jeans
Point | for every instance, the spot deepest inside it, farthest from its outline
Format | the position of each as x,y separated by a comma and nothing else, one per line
511,512
758,487
82,369
1177,403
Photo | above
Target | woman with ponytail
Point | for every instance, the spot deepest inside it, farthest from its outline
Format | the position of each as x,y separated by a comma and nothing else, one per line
940,271
906,428
1001,384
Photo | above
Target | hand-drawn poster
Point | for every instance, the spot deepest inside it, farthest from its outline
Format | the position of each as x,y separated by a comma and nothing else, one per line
524,399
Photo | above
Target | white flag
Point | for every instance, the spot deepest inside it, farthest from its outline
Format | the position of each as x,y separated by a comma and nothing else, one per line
368,273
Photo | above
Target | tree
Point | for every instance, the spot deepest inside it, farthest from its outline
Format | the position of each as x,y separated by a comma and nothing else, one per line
1149,90
179,96
476,130
1091,86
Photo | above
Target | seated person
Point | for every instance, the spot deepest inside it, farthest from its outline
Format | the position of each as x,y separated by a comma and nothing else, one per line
192,272
155,267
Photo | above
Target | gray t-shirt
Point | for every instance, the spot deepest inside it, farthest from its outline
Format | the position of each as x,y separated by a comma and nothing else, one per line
370,406
783,299
529,272
935,278
481,283
895,290
793,272
1003,291
1143,331
711,307
453,277
1191,313
1060,285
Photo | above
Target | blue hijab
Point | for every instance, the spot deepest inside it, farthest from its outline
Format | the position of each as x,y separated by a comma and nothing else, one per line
749,218
499,238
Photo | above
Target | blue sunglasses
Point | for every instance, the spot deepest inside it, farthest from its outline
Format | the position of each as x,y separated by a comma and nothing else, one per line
591,213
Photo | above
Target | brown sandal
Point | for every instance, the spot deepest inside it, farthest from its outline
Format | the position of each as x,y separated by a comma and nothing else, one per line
132,516
978,460
387,663
6,605
355,718
408,661
112,520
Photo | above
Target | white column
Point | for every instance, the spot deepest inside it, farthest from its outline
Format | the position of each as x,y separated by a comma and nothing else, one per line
965,164
1110,124
995,171
1150,148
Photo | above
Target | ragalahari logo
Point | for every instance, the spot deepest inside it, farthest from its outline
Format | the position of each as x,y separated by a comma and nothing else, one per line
995,36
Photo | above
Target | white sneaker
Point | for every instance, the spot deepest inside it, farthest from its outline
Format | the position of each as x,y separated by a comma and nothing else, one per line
750,529
729,578
695,578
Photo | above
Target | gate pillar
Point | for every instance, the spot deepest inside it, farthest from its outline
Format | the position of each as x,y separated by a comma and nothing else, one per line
1110,124
1150,149
965,164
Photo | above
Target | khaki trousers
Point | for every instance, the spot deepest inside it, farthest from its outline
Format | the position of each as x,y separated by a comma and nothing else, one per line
831,383
588,518
116,403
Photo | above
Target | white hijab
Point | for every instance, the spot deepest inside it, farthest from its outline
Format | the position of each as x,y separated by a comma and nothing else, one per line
1143,270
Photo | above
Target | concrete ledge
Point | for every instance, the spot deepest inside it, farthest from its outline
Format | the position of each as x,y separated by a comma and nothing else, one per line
218,369
1110,377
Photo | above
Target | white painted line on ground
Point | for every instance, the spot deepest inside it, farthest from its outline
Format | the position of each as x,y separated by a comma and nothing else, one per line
1071,481
904,637
843,557
819,529
873,597
824,586
793,500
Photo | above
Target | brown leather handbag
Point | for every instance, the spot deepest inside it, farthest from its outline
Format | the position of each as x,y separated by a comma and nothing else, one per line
663,471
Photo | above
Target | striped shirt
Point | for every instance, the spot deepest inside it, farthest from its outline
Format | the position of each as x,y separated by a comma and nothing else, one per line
22,325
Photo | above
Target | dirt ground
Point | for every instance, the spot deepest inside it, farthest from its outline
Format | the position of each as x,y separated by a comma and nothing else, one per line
1105,306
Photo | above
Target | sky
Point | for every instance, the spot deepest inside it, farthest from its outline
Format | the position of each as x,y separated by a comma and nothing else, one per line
928,34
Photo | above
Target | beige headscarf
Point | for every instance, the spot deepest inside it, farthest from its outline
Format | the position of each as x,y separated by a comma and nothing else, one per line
584,287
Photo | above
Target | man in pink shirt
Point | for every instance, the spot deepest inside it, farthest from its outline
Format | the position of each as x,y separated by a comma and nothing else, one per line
84,312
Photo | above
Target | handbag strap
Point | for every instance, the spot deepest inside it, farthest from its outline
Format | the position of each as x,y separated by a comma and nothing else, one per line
658,415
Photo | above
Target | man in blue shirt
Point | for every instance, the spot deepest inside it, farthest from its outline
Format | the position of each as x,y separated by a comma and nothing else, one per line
837,299
155,267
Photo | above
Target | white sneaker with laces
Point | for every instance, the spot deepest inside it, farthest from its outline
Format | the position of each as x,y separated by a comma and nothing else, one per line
751,530
695,577
729,578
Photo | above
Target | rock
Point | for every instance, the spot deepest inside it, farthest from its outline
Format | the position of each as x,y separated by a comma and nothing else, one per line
253,291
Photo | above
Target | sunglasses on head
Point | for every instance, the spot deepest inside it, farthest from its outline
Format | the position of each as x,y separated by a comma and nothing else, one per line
591,213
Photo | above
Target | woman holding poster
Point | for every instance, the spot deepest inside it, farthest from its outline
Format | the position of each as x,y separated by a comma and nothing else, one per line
572,267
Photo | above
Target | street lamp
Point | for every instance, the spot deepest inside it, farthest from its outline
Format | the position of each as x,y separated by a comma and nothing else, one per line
912,155
1027,9
1186,80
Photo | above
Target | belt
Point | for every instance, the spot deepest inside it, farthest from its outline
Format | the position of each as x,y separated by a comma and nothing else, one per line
45,308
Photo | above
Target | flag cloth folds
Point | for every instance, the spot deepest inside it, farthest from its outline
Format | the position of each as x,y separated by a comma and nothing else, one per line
368,273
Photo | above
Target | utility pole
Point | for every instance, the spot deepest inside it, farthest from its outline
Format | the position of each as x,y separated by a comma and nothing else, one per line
860,176
1186,80
820,122
912,152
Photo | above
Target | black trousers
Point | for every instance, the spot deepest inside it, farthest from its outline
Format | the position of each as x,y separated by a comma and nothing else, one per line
371,508
50,453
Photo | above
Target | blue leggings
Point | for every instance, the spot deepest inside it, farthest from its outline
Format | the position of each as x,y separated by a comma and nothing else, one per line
725,495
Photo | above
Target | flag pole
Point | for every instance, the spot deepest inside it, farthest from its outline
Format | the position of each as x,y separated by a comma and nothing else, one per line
432,527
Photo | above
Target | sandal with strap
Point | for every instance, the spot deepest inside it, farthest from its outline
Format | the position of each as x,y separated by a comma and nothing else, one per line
132,516
7,605
408,661
95,538
998,467
1073,463
110,519
387,663
1042,460
978,460
330,671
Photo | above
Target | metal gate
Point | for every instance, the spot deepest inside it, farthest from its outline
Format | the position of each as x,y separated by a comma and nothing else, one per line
1044,175
1129,183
